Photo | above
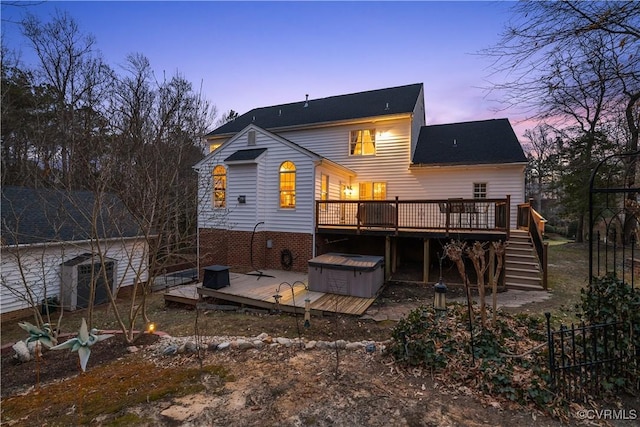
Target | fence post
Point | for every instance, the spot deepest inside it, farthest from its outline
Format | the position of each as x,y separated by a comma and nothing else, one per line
550,345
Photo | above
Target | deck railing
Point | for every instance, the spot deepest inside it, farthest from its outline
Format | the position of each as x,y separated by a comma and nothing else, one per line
448,215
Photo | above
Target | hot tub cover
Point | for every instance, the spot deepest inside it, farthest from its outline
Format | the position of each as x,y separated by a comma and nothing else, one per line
338,261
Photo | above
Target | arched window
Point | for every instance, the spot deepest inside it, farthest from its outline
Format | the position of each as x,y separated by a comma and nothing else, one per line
219,186
287,185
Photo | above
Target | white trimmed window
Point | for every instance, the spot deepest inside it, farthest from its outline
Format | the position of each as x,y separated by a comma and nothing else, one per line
288,185
219,186
372,190
479,190
362,142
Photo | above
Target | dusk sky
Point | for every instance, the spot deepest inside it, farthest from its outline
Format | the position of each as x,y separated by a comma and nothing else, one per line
255,54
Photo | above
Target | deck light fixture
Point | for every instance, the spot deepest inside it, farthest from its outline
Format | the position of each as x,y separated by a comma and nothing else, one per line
348,191
151,328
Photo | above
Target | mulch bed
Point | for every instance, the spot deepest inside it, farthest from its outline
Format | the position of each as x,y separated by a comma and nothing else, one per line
16,377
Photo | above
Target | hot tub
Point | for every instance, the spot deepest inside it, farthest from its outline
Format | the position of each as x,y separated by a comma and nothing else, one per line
346,274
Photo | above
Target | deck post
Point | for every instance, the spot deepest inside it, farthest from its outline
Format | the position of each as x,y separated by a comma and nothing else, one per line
387,258
425,261
394,256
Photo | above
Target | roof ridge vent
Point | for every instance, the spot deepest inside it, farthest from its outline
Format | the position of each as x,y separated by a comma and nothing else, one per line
306,101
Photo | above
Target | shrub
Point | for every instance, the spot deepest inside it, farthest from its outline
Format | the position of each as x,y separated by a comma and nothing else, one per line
442,343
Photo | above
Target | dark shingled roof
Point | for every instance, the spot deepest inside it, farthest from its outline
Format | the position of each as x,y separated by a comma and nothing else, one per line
469,143
381,102
44,215
245,155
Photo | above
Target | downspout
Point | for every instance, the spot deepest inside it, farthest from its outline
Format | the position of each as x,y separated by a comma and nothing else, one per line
313,214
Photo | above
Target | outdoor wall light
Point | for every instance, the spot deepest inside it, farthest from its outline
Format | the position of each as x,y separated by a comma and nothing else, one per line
151,328
440,296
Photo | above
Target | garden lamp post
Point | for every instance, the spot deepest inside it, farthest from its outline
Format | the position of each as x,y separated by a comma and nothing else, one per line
440,292
440,296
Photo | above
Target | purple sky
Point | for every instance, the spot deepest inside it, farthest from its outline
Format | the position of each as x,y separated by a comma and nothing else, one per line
256,54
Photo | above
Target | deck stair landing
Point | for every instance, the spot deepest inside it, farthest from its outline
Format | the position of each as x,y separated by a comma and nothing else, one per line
522,269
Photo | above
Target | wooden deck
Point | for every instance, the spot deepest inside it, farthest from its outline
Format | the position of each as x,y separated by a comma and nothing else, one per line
258,291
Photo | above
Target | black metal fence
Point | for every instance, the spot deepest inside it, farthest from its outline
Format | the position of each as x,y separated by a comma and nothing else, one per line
614,217
591,360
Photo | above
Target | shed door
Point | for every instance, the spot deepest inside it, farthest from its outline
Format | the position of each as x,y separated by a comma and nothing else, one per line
84,283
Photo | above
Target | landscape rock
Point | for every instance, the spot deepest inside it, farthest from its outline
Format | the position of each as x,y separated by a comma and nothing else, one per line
284,341
354,346
190,347
223,346
22,352
310,345
170,350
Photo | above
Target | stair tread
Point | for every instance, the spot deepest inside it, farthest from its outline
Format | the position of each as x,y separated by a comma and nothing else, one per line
521,272
522,269
524,287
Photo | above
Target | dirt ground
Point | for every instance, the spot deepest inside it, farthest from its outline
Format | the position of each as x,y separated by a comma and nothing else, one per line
276,386
284,387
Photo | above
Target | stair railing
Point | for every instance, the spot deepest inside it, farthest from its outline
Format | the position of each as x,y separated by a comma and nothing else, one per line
529,219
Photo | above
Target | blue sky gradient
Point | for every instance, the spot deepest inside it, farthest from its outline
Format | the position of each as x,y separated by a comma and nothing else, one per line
256,54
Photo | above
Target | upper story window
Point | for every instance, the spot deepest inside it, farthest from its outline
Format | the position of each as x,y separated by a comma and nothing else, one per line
214,146
362,142
288,185
479,190
219,186
372,190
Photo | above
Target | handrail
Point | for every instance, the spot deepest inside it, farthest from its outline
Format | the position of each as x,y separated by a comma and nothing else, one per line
530,220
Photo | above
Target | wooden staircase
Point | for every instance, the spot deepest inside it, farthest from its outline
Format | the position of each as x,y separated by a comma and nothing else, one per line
521,267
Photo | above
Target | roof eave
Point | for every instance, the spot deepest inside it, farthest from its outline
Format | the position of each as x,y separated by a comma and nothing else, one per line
463,165
337,166
320,124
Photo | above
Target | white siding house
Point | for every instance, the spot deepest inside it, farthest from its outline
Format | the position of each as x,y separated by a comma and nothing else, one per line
350,152
43,230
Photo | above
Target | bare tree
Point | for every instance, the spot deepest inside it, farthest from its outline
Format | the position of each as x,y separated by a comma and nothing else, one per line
573,64
77,79
132,136
541,146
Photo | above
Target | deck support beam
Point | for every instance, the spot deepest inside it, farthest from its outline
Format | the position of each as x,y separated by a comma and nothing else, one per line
425,261
387,258
394,255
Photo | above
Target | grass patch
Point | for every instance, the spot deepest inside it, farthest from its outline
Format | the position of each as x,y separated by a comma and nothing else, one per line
108,390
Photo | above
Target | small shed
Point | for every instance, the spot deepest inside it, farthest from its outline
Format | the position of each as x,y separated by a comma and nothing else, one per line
346,274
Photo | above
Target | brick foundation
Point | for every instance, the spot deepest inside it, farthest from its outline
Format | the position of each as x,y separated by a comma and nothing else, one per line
232,248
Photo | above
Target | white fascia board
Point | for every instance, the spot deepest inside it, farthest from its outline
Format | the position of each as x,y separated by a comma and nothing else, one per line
418,166
329,164
304,126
